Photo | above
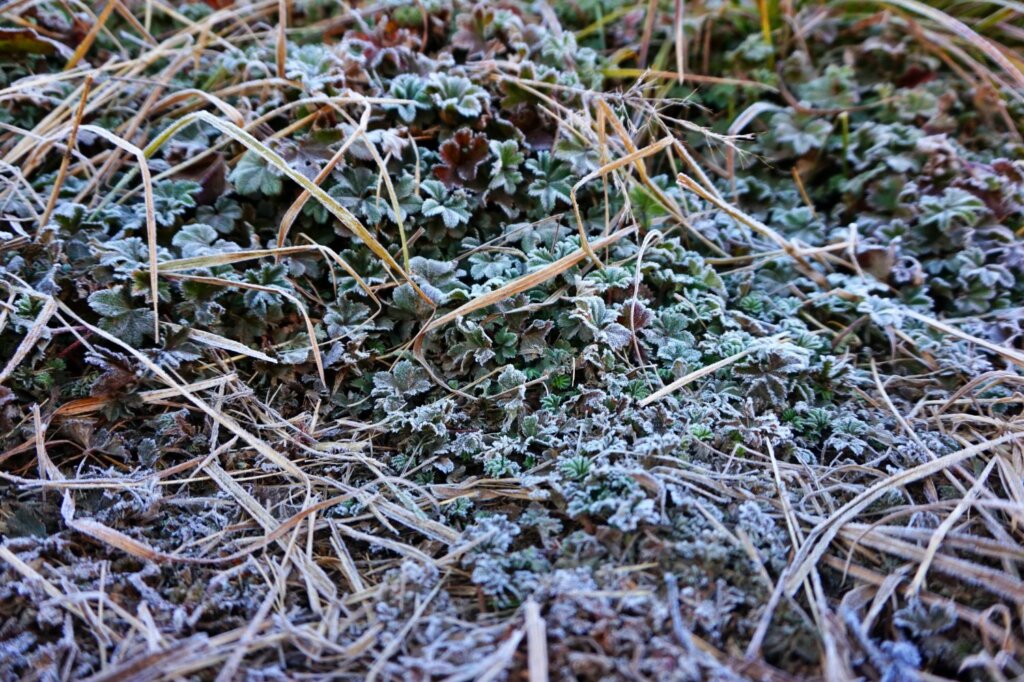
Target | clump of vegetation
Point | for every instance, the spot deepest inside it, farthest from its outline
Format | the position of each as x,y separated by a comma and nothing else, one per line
586,340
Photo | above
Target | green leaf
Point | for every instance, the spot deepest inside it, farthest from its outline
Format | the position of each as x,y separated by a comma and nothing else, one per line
313,66
127,255
172,198
120,317
955,206
551,182
110,302
253,176
581,155
410,87
222,216
837,88
449,206
201,240
505,173
260,302
457,94
800,133
408,201
195,240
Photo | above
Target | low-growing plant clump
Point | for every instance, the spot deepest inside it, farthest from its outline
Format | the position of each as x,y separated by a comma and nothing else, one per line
574,340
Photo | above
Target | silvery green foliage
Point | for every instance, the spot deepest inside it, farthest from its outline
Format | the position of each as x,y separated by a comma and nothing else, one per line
922,621
764,532
896,661
848,433
437,280
413,89
393,389
511,385
511,440
505,576
456,95
121,316
451,206
612,495
254,176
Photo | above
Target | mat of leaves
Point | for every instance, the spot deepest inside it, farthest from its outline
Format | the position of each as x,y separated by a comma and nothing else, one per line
575,340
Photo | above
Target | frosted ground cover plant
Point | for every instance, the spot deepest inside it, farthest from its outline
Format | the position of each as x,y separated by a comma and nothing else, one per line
574,340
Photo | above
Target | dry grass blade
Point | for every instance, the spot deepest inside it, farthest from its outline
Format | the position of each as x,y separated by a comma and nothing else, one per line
1014,356
537,643
317,581
83,406
28,343
964,31
157,371
680,39
91,36
631,158
703,372
618,72
740,124
385,176
310,329
268,155
228,672
293,211
51,203
217,341
396,642
947,524
516,286
233,257
755,225
1000,583
606,114
183,95
34,576
90,527
230,258
119,540
975,618
147,184
282,38
819,540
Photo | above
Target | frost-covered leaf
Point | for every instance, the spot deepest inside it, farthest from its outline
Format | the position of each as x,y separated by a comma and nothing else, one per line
411,87
456,96
451,206
222,216
120,316
800,133
551,183
253,176
505,173
953,207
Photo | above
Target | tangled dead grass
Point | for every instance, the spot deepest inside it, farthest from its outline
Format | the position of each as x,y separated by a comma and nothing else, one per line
278,479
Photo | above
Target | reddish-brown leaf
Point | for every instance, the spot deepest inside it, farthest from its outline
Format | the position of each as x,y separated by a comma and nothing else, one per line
461,157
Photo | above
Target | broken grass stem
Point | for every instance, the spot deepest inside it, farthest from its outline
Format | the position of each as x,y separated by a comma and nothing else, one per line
704,371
